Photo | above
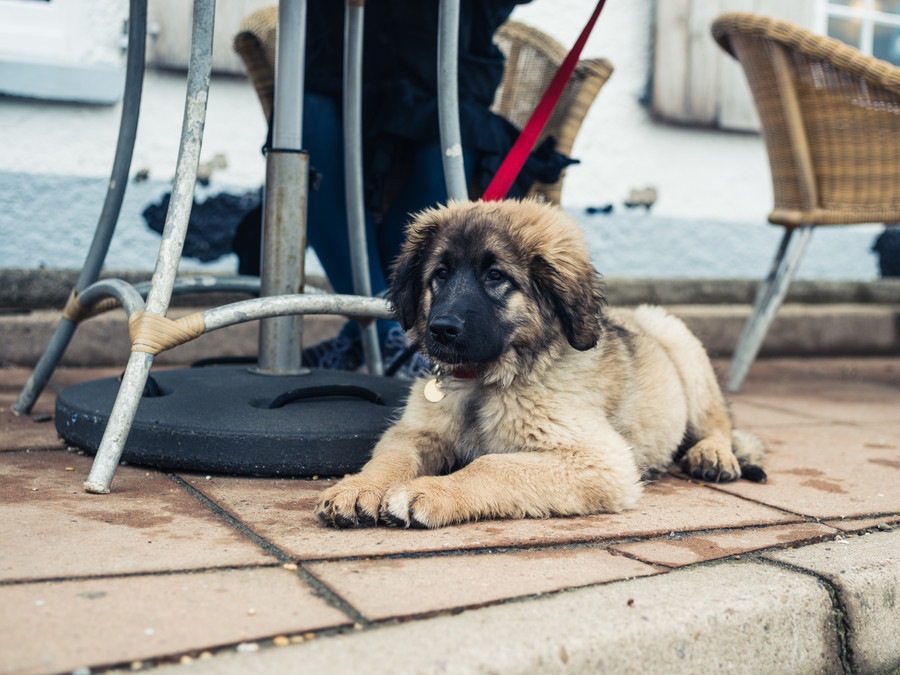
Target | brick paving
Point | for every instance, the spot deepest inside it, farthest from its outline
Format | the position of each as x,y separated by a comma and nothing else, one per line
227,572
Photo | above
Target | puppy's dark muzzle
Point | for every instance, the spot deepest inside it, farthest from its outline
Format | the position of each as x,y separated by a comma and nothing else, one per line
463,325
446,329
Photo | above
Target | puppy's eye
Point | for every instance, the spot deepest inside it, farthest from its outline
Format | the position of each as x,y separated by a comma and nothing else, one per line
441,273
495,275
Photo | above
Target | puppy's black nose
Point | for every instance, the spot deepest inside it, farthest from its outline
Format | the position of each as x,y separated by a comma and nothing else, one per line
445,329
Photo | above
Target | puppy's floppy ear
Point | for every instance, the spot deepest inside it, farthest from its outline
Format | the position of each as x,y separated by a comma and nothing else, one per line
406,285
574,292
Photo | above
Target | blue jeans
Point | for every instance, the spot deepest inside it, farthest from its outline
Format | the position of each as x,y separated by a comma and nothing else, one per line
327,216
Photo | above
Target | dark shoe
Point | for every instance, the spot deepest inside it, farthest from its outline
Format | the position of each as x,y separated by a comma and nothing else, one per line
398,361
338,353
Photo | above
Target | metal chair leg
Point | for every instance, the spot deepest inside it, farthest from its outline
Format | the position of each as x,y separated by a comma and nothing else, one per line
109,215
45,367
769,297
354,14
138,369
448,100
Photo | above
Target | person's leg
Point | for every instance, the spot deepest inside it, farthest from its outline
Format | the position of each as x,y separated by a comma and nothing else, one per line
327,213
424,187
328,235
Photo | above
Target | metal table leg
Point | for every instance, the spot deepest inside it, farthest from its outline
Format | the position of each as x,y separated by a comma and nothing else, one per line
287,171
138,368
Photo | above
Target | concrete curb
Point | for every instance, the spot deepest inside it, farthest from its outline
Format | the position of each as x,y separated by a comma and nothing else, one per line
821,318
865,574
798,330
832,610
49,289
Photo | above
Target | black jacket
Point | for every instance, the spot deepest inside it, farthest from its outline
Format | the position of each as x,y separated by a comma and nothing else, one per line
400,85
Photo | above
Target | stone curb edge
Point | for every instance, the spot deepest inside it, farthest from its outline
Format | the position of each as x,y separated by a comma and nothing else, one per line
798,330
49,288
825,607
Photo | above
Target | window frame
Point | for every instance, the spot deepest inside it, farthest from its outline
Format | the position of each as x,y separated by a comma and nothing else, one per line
866,14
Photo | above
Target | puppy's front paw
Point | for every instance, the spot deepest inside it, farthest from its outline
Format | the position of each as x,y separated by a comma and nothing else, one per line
711,459
424,503
353,502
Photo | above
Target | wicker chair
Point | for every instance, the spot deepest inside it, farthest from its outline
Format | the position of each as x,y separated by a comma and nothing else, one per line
532,59
831,123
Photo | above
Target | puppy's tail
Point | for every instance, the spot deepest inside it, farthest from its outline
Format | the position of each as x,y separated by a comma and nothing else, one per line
749,450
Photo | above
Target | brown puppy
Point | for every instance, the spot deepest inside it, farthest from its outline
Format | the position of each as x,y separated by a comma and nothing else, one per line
543,404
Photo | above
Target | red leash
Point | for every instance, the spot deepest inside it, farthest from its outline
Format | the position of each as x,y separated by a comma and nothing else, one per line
515,160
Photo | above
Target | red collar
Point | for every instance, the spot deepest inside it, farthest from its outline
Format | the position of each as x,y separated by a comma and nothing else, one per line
462,373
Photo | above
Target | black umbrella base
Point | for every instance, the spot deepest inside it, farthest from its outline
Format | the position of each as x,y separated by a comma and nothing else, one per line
227,419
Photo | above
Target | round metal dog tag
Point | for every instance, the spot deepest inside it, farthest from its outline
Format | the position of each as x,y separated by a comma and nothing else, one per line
433,391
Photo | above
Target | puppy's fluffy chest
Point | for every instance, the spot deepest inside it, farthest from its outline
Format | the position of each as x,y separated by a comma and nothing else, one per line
492,420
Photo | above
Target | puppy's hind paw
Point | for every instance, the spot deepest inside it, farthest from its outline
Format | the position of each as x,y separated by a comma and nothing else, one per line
712,461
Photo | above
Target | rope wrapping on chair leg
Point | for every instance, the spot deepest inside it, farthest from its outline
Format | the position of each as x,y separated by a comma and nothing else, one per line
152,334
75,312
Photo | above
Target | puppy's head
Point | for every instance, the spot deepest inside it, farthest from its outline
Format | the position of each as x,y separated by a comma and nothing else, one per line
478,284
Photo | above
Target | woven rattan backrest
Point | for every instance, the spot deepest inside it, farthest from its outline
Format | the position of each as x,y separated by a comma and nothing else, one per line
255,44
532,59
830,118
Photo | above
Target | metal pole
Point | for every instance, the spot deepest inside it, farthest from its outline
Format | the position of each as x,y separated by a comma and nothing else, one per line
448,100
769,297
207,283
320,303
126,295
354,15
284,213
138,368
131,103
109,215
